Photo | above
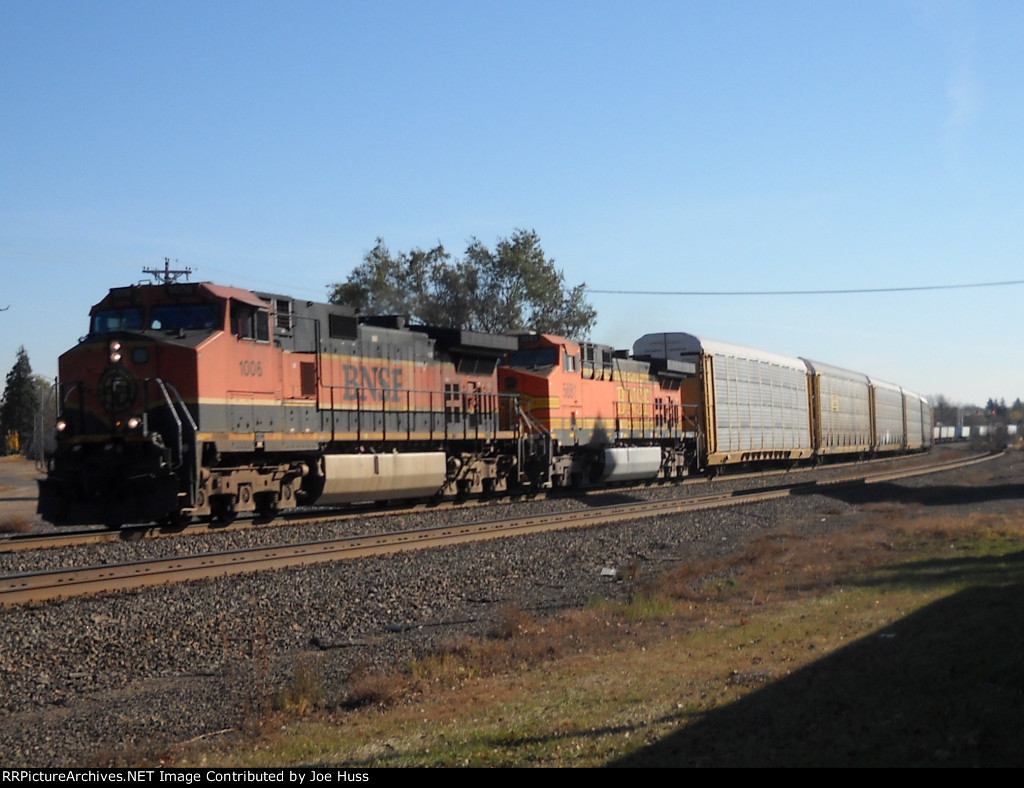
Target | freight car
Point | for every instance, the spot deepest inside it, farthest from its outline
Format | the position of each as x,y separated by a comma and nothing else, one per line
840,409
751,405
755,406
198,400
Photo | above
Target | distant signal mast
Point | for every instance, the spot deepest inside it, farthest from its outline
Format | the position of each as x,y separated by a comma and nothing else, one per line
167,276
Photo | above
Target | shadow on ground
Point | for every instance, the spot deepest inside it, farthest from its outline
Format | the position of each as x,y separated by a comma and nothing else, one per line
941,687
939,495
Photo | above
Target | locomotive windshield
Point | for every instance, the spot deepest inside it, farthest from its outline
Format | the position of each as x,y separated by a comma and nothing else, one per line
185,317
127,319
534,357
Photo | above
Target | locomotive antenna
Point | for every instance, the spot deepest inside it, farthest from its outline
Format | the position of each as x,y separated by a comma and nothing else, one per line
167,276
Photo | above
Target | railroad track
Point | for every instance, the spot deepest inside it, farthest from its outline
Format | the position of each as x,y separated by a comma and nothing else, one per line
96,535
43,586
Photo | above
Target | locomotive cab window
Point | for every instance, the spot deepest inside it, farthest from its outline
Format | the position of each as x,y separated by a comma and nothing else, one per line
185,317
248,322
534,357
129,319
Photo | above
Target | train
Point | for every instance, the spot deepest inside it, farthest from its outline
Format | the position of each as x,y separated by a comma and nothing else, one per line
998,432
193,400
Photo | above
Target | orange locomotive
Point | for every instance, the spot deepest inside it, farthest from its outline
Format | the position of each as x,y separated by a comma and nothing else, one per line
193,399
606,417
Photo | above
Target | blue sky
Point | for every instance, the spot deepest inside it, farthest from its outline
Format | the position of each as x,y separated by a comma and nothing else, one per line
660,146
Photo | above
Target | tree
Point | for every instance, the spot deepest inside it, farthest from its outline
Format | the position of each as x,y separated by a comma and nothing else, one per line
387,285
945,412
19,406
513,288
518,287
997,409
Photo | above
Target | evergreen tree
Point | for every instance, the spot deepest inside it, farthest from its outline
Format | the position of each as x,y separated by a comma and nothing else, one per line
997,409
19,405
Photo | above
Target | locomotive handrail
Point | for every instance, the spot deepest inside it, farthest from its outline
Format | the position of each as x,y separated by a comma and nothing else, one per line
538,432
184,408
167,389
464,411
67,395
39,427
534,427
162,387
67,391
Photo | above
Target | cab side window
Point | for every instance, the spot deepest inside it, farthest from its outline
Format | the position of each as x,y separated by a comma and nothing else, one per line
248,322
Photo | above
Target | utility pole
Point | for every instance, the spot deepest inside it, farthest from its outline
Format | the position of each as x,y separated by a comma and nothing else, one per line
167,276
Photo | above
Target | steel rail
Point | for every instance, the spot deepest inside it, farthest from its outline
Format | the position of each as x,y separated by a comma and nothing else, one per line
21,542
44,586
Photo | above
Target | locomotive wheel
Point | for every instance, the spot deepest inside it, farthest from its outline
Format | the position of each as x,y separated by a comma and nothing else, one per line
223,510
266,506
175,521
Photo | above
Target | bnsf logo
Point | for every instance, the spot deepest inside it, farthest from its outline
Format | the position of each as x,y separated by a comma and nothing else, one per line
376,383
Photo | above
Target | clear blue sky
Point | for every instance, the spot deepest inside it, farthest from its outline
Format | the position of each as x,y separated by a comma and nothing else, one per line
706,146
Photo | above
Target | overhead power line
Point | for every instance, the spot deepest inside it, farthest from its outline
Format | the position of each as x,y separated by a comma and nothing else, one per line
805,292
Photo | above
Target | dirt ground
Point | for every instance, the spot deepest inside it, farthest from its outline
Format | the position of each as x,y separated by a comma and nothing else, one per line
18,490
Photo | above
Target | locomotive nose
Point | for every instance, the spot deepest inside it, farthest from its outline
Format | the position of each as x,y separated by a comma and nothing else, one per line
118,389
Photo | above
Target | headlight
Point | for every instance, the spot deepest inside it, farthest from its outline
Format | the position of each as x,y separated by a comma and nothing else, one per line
60,426
134,422
115,351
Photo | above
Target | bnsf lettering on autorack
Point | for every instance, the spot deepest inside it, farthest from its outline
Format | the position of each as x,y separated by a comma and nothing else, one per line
374,383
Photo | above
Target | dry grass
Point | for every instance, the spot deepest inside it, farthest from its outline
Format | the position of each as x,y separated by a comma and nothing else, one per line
15,524
367,687
247,662
305,691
